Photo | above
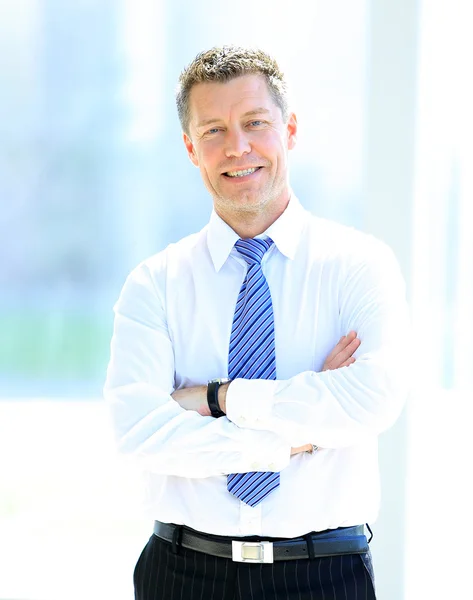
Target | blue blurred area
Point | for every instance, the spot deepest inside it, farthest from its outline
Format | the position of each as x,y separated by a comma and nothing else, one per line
93,172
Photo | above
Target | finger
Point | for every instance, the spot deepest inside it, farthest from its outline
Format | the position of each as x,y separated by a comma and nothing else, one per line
335,359
337,349
333,366
347,351
343,343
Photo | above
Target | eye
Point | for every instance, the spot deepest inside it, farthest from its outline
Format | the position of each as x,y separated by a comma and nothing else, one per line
256,123
213,130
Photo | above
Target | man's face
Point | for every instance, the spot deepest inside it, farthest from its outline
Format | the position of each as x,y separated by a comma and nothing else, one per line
240,143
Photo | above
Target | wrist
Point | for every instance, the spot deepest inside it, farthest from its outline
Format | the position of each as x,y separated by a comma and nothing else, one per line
222,396
214,397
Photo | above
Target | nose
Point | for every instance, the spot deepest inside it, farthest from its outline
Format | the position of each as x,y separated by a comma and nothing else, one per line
236,143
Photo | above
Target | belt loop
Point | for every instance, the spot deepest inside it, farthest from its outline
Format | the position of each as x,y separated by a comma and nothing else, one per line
176,539
310,545
369,529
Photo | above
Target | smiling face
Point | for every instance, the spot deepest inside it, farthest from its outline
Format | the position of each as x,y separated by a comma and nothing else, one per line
239,141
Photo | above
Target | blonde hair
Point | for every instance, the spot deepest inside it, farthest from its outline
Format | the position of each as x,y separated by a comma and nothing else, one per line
226,63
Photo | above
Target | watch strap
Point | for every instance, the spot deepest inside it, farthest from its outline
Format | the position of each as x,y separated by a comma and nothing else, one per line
212,398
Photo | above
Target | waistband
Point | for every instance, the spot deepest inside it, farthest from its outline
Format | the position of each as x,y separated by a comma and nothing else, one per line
344,540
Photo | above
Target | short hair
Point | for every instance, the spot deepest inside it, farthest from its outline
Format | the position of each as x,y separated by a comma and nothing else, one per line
222,64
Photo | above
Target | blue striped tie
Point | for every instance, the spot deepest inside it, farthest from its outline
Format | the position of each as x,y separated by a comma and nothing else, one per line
252,354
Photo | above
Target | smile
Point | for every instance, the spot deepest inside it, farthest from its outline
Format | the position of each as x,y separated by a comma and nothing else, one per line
241,173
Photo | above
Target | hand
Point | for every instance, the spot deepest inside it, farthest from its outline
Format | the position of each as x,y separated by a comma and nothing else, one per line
193,398
342,354
305,448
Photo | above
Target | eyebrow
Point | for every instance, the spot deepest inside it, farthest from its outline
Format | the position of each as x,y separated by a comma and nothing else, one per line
256,111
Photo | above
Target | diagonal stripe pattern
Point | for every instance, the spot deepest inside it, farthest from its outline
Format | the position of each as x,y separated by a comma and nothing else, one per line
252,354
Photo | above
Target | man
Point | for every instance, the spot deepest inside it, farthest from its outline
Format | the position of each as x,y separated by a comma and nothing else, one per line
260,485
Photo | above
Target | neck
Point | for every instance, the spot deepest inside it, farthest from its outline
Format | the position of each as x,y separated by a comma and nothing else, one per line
250,224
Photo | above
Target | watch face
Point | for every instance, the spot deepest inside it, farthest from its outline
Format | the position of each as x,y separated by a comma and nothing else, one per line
220,380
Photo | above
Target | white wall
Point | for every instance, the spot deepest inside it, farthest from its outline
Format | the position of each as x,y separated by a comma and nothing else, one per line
388,213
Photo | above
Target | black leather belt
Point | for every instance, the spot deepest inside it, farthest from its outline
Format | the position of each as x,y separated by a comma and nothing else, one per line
344,540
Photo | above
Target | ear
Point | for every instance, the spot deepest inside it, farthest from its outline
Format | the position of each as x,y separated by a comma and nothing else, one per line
190,149
291,131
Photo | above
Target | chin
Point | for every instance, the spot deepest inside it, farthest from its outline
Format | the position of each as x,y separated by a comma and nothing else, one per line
253,198
246,204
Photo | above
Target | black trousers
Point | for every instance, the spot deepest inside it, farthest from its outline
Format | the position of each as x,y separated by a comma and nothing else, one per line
162,575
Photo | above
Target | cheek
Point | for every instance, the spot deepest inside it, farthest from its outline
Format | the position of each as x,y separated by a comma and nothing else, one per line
207,169
269,143
208,159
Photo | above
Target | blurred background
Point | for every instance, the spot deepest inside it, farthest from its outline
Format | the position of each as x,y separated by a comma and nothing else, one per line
94,178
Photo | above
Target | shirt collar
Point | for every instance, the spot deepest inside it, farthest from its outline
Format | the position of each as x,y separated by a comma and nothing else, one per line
285,233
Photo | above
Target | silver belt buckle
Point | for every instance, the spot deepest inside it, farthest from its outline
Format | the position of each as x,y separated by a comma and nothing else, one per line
252,552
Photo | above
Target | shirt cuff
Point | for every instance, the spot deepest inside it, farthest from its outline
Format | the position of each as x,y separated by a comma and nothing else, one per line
274,456
249,402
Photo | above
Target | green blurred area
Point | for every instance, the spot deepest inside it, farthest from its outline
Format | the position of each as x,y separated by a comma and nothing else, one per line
54,345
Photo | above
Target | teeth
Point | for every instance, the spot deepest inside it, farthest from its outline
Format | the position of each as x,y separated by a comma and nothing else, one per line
241,173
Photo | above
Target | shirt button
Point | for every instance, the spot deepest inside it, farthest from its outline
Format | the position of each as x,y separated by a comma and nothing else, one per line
272,467
255,466
242,418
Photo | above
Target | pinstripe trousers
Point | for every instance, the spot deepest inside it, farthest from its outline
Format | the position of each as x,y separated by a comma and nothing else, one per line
188,575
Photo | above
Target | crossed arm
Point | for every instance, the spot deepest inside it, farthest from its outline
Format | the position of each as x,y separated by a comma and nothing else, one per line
195,398
333,408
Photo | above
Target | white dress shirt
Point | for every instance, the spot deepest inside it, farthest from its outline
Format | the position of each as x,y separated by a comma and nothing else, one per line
172,330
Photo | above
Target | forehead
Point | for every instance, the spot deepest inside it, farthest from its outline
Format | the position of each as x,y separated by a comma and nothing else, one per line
215,100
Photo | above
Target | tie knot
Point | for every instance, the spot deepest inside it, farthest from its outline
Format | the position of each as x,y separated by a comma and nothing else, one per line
253,249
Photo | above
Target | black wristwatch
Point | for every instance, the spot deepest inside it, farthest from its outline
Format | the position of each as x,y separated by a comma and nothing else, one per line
212,396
